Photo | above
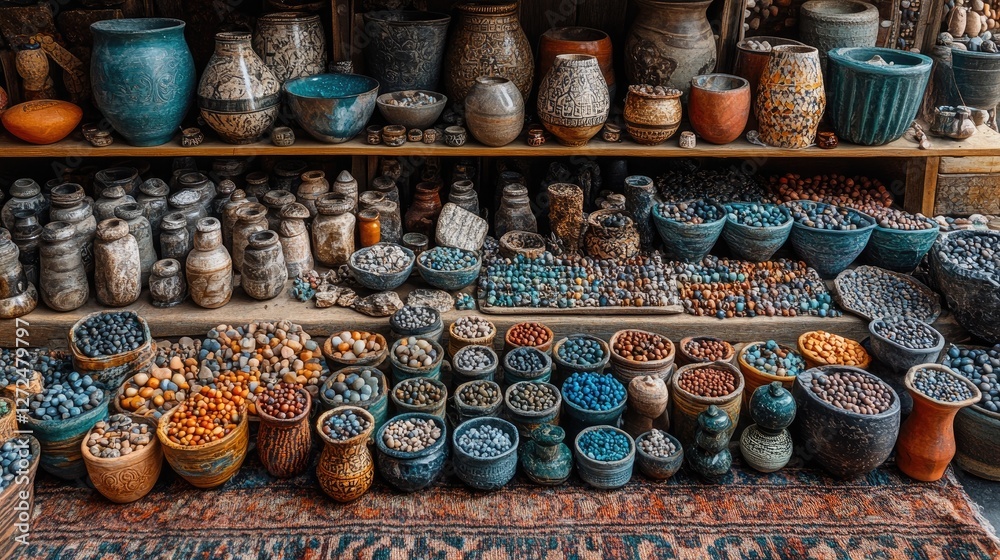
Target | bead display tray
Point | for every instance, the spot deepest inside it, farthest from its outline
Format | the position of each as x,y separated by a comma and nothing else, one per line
929,302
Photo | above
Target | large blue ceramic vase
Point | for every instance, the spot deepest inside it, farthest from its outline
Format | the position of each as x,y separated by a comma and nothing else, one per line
143,77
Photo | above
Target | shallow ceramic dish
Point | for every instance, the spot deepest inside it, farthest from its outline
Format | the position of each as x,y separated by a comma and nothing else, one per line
450,280
380,281
417,116
925,303
332,108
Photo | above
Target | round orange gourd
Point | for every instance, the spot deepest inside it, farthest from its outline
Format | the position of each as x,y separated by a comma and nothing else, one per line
44,121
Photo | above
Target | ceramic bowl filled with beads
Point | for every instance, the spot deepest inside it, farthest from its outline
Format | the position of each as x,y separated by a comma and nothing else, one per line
383,266
902,343
659,455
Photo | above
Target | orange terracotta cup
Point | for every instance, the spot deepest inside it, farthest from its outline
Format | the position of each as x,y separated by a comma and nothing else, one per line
719,106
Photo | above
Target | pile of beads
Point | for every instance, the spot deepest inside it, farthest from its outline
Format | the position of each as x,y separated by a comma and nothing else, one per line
411,99
465,302
18,363
72,397
825,216
411,318
107,334
593,391
415,352
874,292
978,253
15,457
344,425
155,392
892,218
981,366
860,193
448,259
696,211
525,359
354,387
658,444
410,435
687,180
484,441
474,358
758,215
908,333
479,394
604,445
417,391
852,392
355,345
707,382
835,349
381,259
772,359
528,334
616,220
117,437
940,385
707,349
581,351
531,397
204,417
473,327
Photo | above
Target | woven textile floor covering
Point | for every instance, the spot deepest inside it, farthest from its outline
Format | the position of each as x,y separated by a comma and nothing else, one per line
793,514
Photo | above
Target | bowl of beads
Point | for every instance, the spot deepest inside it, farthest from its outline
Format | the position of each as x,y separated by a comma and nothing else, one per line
658,454
123,457
872,292
60,416
977,428
846,417
689,229
900,239
111,346
414,108
531,334
604,456
412,449
592,399
703,349
470,330
526,364
475,399
383,266
485,452
965,265
529,404
528,244
635,353
421,321
449,268
473,363
416,357
902,343
764,362
17,487
332,108
611,235
356,348
581,353
821,348
174,373
755,231
695,387
828,238
416,394
361,386
345,470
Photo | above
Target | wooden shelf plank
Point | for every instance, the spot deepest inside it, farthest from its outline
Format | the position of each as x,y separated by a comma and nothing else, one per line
984,143
48,328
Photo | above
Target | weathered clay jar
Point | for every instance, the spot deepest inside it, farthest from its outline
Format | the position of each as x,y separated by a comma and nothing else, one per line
263,271
610,242
175,240
828,24
228,216
25,196
250,218
117,269
17,296
284,444
313,185
406,48
274,201
209,268
125,177
347,186
369,229
345,469
423,213
71,205
187,203
573,100
566,214
494,111
333,231
27,234
152,198
110,198
140,229
790,97
291,44
63,277
669,43
238,95
294,237
515,212
257,184
718,107
487,41
201,184
166,283
577,40
640,196
652,118
286,175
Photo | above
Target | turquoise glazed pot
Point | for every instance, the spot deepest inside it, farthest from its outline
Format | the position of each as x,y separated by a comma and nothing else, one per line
332,108
142,76
688,242
483,473
61,439
869,104
977,75
604,475
755,244
659,468
830,251
772,407
545,458
450,280
415,470
377,281
578,419
710,456
900,250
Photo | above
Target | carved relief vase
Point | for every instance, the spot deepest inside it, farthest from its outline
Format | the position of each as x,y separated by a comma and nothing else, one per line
669,43
790,97
238,94
291,44
406,49
488,41
143,77
346,469
283,444
573,100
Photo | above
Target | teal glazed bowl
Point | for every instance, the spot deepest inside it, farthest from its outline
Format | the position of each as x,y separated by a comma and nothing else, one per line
872,104
60,439
332,108
604,475
449,280
900,250
688,242
753,243
830,251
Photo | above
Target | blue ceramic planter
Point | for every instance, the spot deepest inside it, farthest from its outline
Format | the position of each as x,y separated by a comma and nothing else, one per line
142,76
401,372
61,439
900,250
604,475
583,418
755,244
376,281
659,468
332,108
413,471
830,251
527,422
869,104
977,75
485,473
688,242
449,279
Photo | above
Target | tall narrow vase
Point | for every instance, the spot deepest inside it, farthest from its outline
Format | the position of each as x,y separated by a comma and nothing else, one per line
573,100
142,76
669,43
790,97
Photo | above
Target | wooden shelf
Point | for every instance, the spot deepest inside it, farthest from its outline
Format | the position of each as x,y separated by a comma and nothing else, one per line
48,328
986,142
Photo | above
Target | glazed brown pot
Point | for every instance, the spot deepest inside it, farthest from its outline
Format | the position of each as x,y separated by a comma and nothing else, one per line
423,213
284,444
577,40
345,469
652,118
494,111
719,106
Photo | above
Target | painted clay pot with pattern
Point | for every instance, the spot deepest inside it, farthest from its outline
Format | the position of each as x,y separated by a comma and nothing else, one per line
577,40
127,478
406,48
650,117
284,444
573,100
238,95
669,43
790,97
291,44
488,41
143,77
346,468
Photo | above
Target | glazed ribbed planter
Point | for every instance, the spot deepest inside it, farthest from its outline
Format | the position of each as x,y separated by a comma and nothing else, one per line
487,40
688,242
900,250
238,95
790,97
527,421
830,24
573,100
753,243
977,75
874,104
971,294
406,48
485,473
669,43
143,77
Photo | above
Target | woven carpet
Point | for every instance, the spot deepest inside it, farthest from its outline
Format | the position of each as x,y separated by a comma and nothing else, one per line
796,513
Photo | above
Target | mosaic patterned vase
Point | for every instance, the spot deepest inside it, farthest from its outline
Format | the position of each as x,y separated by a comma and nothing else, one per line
790,97
573,100
346,469
488,41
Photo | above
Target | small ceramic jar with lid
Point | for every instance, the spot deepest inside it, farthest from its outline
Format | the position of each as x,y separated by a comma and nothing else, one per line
167,286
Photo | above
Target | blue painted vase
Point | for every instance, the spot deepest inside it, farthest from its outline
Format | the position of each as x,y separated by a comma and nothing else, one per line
142,76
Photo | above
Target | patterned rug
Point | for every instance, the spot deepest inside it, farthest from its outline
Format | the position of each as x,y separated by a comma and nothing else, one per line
794,514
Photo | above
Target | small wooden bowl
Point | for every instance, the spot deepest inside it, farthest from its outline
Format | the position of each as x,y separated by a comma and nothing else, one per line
35,385
112,370
814,360
127,478
456,342
546,346
372,360
208,465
